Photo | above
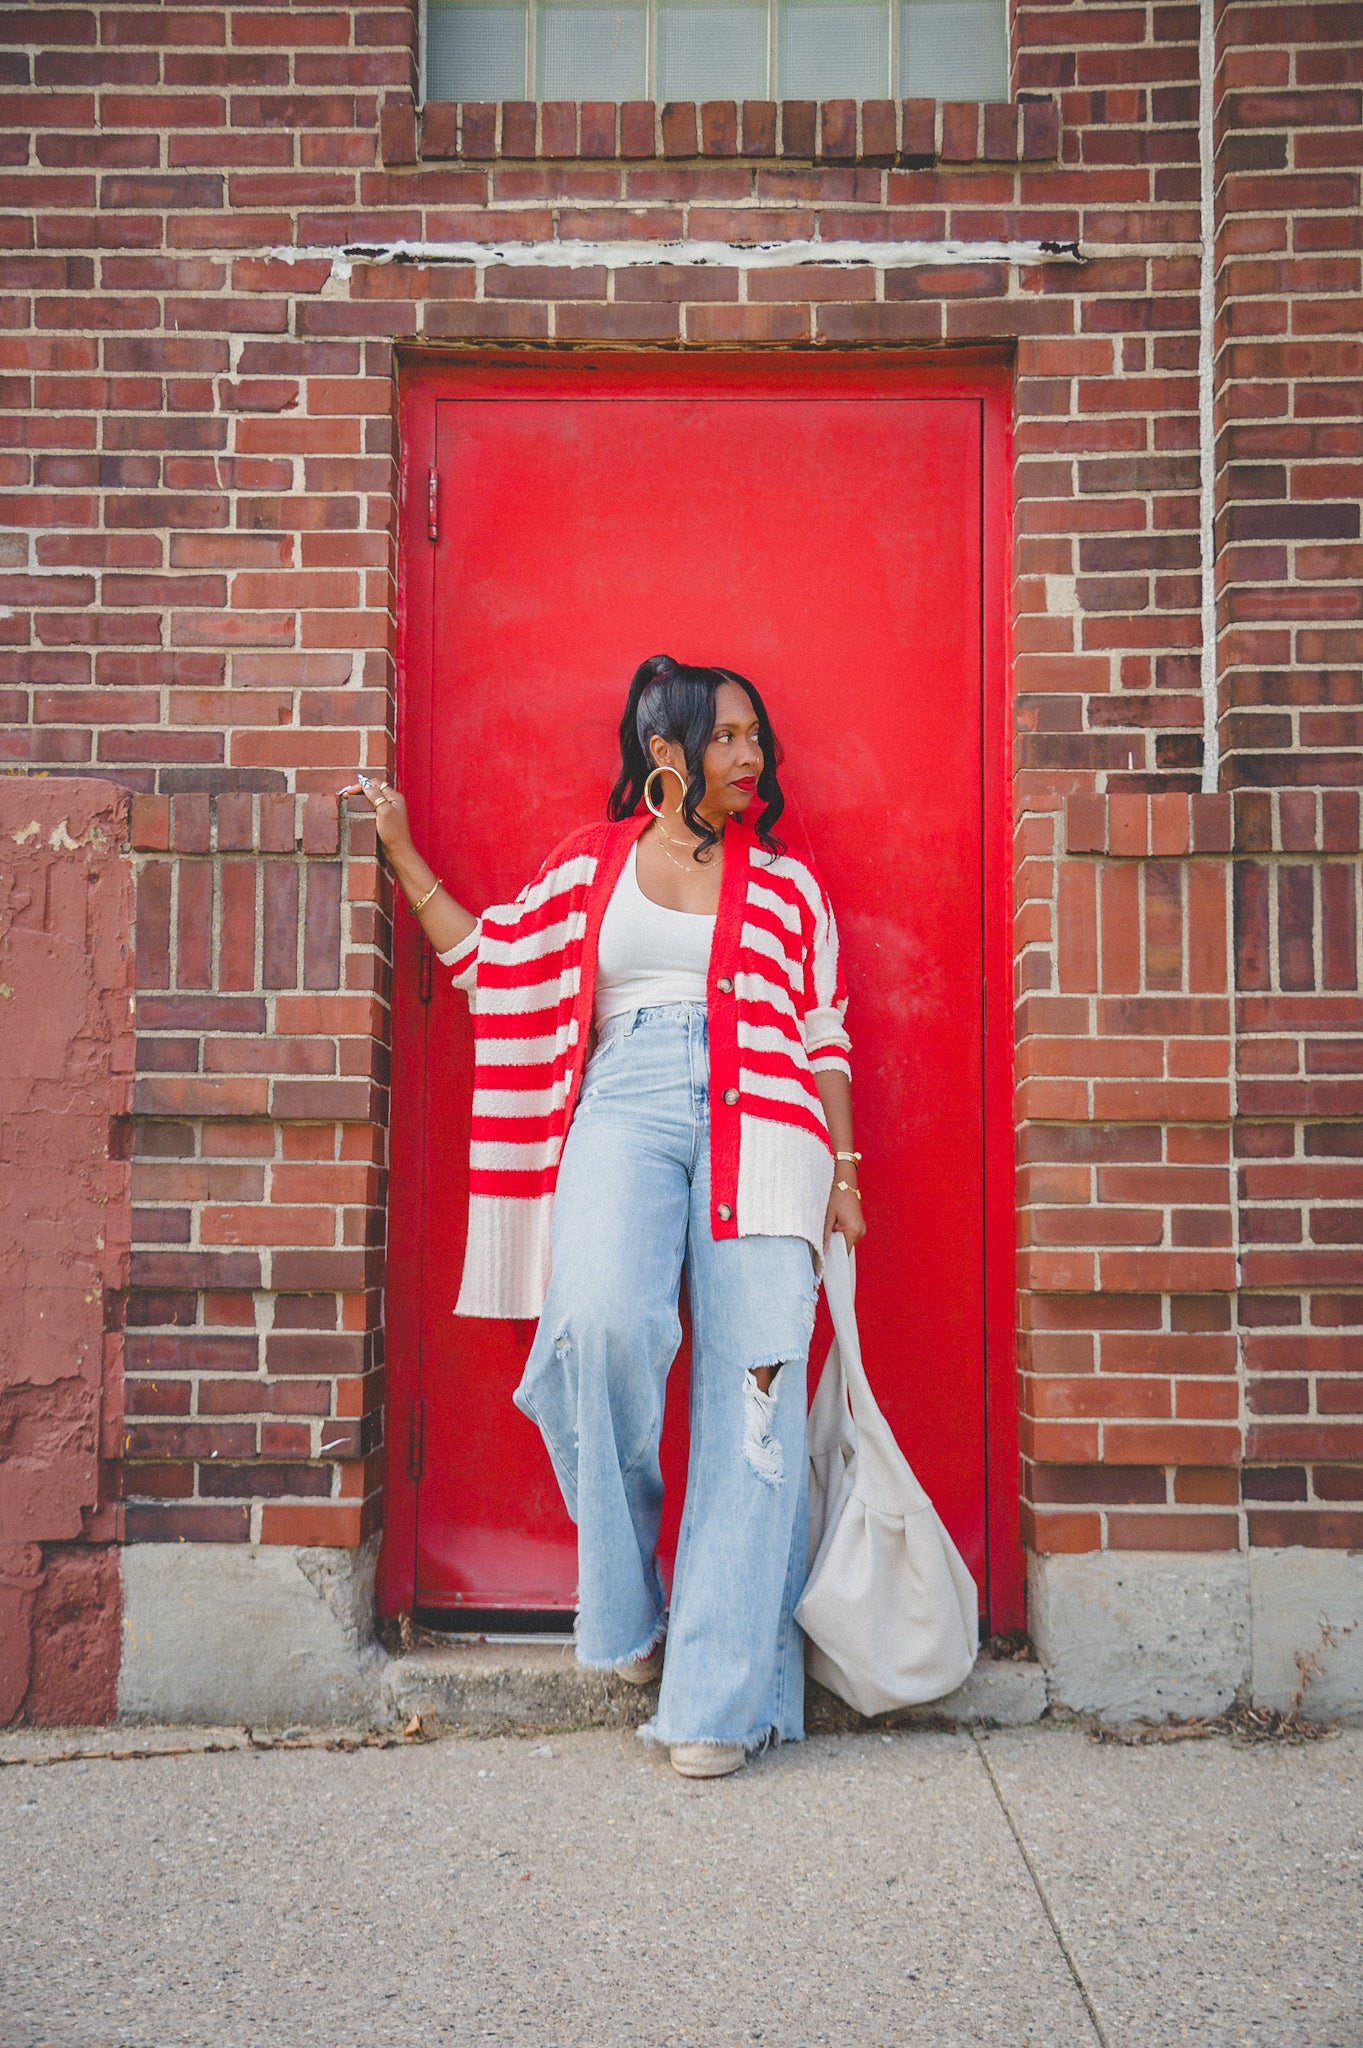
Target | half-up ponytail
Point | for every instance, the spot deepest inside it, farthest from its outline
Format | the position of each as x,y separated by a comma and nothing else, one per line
675,702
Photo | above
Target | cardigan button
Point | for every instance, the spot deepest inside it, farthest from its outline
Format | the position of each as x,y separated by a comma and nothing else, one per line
731,1096
724,1212
725,985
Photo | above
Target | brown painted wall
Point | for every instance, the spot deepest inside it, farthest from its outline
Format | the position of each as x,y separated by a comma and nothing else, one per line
66,1054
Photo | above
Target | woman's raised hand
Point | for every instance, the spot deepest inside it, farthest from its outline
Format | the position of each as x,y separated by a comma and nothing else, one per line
445,922
390,811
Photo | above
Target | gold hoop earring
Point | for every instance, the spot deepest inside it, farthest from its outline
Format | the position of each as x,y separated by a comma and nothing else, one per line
663,768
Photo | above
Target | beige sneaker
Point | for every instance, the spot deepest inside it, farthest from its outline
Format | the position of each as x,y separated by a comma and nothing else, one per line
707,1759
642,1670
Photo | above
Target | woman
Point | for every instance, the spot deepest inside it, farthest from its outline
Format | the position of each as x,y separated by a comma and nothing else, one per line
696,962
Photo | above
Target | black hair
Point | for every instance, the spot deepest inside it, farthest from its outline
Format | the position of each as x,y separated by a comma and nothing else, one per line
677,702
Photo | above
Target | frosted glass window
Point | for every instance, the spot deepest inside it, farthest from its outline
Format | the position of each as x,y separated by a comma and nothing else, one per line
832,49
953,50
591,50
475,52
707,52
715,49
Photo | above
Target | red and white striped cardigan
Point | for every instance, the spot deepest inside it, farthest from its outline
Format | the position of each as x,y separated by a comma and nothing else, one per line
774,1005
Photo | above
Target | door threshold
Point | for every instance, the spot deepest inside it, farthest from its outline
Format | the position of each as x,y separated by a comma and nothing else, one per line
486,1636
496,1624
535,1687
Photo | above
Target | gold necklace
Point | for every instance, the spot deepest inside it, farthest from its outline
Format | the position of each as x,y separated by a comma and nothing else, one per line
687,866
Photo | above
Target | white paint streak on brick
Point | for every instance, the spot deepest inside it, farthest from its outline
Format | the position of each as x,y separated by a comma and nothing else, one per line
623,255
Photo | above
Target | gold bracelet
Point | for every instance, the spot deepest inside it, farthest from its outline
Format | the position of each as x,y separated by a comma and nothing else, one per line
849,1187
417,908
855,1157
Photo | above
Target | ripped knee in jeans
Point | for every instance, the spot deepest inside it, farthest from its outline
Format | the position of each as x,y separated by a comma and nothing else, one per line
760,1448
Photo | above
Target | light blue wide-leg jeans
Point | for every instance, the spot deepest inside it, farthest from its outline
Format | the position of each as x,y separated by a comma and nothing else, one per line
632,1205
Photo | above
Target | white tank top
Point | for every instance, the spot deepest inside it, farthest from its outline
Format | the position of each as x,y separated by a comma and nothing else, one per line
647,954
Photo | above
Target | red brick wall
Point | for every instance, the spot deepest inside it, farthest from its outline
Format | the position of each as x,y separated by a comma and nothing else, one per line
1130,1362
1290,361
199,464
1299,1142
253,1359
66,1047
1290,476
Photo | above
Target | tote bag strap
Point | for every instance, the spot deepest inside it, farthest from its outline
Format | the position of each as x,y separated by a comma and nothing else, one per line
885,1480
839,1281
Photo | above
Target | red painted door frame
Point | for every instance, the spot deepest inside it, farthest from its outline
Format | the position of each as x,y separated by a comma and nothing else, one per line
976,375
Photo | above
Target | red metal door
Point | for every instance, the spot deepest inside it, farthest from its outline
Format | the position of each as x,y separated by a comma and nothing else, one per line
838,532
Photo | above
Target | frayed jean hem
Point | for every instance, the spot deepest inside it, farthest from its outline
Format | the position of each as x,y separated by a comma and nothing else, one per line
755,1743
645,1649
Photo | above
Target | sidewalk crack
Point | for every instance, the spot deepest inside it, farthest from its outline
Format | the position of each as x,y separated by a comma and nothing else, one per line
1071,1965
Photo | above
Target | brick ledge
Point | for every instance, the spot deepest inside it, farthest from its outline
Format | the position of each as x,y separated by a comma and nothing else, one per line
1141,827
240,821
884,132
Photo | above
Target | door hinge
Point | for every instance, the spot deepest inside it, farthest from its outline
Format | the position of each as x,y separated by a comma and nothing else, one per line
416,1440
433,505
425,958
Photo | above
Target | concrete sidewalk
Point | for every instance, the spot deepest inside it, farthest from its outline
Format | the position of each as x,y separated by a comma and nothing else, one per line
920,1890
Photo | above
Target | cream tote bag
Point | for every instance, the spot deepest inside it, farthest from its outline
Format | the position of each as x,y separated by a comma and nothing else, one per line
890,1610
